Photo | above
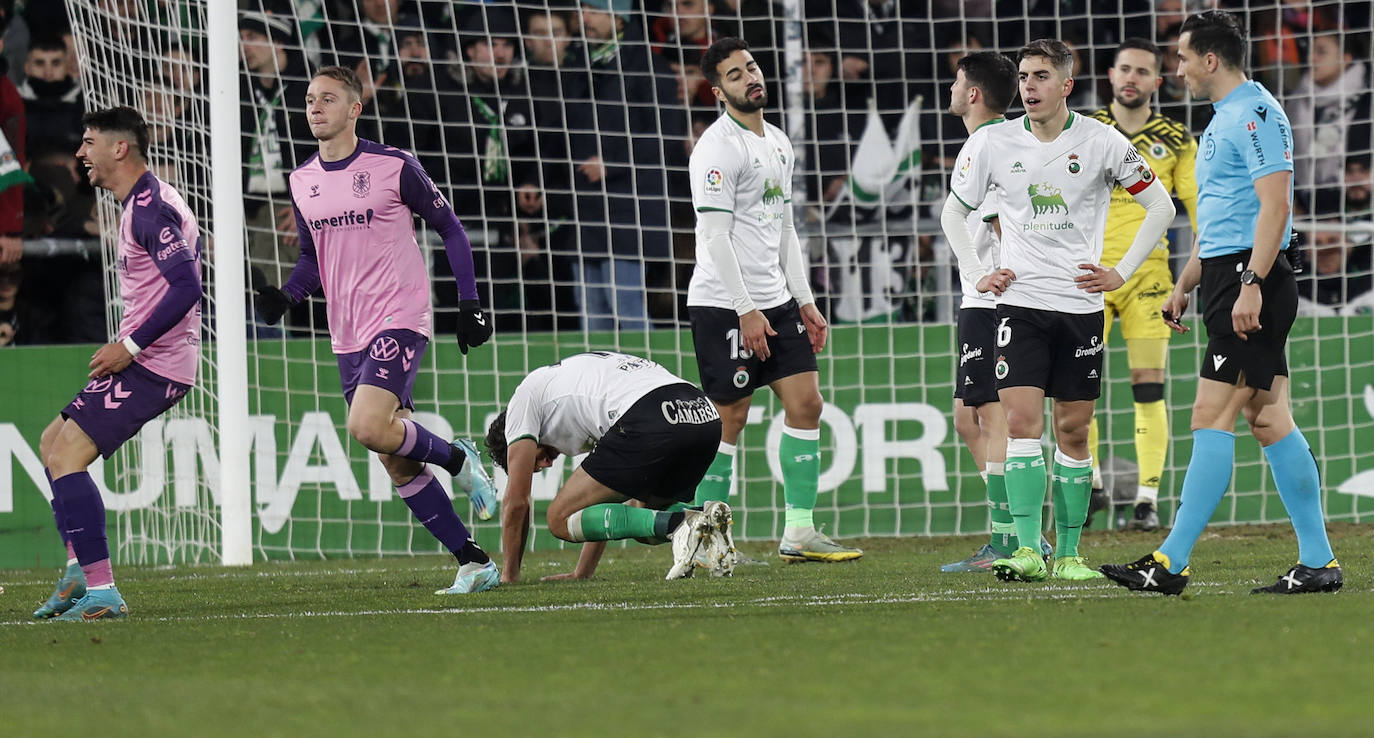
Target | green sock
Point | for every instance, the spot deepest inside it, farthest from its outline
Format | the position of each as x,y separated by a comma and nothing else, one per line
1071,489
1025,477
800,455
1003,529
613,522
716,484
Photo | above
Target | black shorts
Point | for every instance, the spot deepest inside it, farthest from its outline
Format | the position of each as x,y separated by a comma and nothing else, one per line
660,448
1262,356
1061,353
974,383
728,371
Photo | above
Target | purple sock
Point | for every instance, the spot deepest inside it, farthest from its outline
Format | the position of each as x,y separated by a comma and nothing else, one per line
58,516
84,514
426,499
421,445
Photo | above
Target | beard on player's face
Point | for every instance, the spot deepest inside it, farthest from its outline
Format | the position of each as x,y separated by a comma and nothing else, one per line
1137,101
744,103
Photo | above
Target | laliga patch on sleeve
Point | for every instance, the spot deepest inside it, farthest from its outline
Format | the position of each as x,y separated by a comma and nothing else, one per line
714,179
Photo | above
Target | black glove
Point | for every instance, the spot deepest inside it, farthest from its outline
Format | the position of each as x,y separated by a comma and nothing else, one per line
474,327
271,304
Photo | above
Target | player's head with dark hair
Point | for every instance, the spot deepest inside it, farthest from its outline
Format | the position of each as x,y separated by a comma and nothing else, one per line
499,450
114,147
333,102
1134,73
496,440
735,77
1141,44
121,122
1045,76
1218,33
717,53
992,74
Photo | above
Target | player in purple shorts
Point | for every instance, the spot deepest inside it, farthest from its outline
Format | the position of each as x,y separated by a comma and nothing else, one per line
143,373
355,204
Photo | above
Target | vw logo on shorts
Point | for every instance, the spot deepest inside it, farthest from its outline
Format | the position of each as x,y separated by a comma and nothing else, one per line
741,377
1002,369
99,385
385,348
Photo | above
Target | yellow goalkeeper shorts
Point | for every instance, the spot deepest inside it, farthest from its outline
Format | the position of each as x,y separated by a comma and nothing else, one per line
1140,301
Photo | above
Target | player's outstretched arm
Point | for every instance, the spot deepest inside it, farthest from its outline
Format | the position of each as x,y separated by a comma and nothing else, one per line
587,560
515,506
422,196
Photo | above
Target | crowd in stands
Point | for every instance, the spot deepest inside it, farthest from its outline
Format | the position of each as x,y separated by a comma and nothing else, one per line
560,130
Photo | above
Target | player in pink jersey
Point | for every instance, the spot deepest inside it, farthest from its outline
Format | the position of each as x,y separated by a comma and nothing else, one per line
355,203
139,376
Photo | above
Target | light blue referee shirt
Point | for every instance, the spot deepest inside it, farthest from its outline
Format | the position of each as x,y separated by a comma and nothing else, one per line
1249,137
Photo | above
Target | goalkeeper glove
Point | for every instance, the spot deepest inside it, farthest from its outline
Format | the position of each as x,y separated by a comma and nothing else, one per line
271,304
474,327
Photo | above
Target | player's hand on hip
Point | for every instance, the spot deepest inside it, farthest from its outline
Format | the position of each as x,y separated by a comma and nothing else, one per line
754,330
112,358
271,303
816,328
1098,279
1174,309
996,281
1245,313
474,327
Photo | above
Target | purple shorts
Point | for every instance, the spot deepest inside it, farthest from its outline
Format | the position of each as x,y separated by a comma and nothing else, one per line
391,362
113,408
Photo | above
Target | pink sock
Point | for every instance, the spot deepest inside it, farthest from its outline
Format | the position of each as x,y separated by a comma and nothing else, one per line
71,552
98,574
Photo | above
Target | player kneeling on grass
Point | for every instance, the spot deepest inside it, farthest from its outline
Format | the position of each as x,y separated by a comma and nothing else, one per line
651,436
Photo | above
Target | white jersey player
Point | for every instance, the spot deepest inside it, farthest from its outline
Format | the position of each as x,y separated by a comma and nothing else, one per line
984,86
1054,172
754,320
649,436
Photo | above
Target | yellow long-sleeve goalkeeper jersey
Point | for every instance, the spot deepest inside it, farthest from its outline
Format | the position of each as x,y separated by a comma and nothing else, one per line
1172,153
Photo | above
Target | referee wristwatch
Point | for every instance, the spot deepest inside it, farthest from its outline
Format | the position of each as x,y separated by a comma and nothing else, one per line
1249,277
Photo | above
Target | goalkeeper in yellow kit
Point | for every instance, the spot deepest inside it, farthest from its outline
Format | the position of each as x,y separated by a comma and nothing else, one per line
1171,152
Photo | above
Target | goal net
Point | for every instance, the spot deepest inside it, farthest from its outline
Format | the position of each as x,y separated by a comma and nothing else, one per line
561,134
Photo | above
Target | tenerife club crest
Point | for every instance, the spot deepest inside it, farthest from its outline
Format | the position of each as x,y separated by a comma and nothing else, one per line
362,184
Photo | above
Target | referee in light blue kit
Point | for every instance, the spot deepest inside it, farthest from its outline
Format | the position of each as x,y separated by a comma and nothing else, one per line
1245,199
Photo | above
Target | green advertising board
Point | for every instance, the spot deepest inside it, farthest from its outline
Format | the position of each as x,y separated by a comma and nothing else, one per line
892,465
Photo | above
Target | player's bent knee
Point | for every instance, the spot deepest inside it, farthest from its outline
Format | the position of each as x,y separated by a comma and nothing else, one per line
1147,392
369,435
48,438
558,524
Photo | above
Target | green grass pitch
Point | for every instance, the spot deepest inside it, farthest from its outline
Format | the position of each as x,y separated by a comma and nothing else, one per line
883,646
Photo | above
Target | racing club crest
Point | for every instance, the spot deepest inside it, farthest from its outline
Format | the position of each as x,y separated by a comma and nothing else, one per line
362,184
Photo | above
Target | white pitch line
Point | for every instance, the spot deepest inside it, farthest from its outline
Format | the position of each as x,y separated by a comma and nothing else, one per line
835,600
